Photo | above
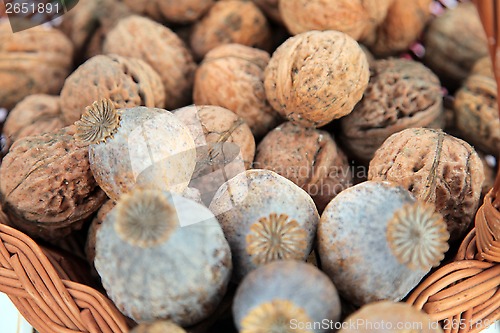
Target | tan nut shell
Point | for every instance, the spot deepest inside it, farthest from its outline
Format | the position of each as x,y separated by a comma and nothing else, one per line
316,77
436,167
142,38
185,11
33,61
231,21
232,76
125,81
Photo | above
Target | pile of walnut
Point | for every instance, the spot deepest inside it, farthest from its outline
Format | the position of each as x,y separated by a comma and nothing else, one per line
306,155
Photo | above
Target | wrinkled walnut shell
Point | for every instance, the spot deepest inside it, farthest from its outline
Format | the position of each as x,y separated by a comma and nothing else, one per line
34,61
437,168
142,38
127,82
310,158
34,115
230,21
401,94
185,11
316,77
232,76
46,186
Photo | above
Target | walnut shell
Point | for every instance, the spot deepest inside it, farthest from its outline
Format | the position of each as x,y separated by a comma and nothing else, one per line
46,186
232,76
401,94
403,24
142,38
271,9
34,115
173,11
231,21
160,326
476,111
127,82
265,217
315,77
317,164
454,42
437,168
33,61
356,18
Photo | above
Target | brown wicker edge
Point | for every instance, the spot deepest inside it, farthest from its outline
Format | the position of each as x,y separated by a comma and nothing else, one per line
45,294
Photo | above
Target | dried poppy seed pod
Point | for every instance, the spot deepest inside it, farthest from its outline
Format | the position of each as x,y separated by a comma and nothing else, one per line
377,242
158,46
160,256
94,226
160,326
34,115
232,76
357,18
389,317
127,82
317,164
46,185
34,61
285,296
230,21
316,77
146,146
265,217
437,168
401,94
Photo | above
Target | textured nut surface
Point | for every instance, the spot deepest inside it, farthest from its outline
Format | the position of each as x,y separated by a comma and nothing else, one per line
231,21
454,42
476,110
404,22
353,246
46,184
356,18
185,11
33,61
310,158
401,94
435,167
125,81
142,38
316,77
232,76
35,114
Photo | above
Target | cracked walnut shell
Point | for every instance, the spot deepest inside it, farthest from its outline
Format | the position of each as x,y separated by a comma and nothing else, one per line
316,77
34,61
437,168
127,82
316,164
46,185
232,76
158,46
401,94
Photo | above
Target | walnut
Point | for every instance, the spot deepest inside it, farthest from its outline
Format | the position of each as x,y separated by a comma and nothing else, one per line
401,94
225,146
142,38
232,76
46,186
437,168
404,22
356,18
271,9
33,61
476,109
231,21
454,41
34,115
89,21
317,165
127,82
316,77
94,227
173,11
